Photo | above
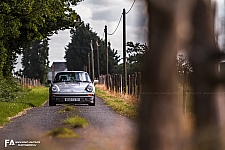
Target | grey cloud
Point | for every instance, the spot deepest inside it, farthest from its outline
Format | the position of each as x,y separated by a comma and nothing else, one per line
101,2
136,16
106,15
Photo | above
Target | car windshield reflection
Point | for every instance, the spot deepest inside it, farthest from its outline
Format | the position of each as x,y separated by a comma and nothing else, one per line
72,77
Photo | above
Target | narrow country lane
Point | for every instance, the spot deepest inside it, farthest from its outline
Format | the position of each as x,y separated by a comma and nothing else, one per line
107,130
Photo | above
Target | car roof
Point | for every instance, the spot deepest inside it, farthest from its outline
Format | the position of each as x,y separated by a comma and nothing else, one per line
70,71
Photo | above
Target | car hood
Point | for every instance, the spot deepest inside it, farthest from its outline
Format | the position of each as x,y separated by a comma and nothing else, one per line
72,86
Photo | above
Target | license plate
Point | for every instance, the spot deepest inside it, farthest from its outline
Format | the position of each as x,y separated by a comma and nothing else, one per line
72,99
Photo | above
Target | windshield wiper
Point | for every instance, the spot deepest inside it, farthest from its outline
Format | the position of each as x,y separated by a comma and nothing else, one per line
82,81
78,80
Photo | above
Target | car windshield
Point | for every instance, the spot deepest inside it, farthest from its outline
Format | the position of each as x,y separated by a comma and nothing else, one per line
72,77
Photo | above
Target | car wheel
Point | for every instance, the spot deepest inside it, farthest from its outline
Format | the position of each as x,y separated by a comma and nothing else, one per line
91,104
51,103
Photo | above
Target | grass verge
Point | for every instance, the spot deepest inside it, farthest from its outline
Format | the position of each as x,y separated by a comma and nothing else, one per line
76,122
67,108
62,132
29,98
123,104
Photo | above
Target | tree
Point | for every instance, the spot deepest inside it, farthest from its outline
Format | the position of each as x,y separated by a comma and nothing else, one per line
24,21
77,51
76,54
35,60
135,56
114,59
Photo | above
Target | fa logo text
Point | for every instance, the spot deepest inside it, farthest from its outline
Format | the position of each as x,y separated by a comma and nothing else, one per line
9,142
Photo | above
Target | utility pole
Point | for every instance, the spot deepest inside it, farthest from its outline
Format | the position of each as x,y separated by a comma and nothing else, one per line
106,48
107,59
89,64
98,58
124,53
92,61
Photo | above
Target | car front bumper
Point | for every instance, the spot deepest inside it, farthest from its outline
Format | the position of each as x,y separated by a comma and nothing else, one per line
78,98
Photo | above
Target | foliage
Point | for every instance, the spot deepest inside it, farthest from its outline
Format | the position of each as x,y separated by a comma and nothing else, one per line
136,52
9,89
24,99
123,104
62,132
77,51
67,108
183,65
114,58
27,20
35,60
135,58
76,122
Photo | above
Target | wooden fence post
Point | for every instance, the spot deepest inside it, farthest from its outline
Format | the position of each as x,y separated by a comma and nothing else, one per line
121,84
129,85
110,83
117,83
135,83
139,83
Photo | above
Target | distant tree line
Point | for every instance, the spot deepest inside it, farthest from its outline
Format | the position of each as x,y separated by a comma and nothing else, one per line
35,60
76,54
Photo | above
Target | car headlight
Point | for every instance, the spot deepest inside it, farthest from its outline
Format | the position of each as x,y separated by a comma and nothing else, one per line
89,88
55,88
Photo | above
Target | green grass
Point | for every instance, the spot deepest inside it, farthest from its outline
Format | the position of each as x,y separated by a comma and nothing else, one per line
25,99
62,132
67,108
126,107
76,122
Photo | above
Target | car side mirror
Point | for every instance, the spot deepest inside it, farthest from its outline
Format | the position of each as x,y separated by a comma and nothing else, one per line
95,82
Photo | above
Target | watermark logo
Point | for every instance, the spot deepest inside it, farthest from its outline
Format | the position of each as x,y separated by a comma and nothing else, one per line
11,142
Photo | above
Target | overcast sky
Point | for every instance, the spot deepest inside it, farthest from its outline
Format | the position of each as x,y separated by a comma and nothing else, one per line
99,13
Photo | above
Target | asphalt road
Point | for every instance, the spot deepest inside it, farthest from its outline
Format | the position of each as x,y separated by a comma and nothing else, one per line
107,130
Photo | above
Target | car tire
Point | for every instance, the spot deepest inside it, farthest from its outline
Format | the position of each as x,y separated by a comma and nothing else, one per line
91,104
51,103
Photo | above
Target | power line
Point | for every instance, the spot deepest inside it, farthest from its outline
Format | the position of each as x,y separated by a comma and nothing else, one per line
130,7
121,18
117,26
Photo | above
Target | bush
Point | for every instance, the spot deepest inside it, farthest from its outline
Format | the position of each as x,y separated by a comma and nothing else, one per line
10,89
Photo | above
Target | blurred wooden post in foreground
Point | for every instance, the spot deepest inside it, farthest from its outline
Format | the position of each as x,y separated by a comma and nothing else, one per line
159,125
205,59
159,112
